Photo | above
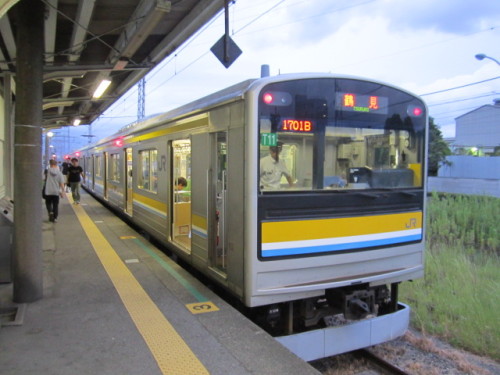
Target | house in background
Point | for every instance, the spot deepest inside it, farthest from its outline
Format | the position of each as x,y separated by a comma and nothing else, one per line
477,132
475,166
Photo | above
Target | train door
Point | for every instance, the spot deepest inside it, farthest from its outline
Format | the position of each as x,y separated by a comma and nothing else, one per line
129,192
218,249
105,175
92,183
83,164
88,171
181,194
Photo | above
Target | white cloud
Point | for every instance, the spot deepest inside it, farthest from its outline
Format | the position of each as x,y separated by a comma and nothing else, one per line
449,16
422,46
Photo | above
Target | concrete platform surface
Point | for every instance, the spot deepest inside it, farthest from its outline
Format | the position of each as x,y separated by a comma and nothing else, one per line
83,326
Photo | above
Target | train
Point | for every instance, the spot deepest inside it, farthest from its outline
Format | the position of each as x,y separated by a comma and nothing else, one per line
301,195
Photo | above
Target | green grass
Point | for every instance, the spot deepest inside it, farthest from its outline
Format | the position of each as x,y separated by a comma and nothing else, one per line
460,220
459,297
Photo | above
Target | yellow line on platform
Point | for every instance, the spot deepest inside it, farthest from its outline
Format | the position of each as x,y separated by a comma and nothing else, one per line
172,354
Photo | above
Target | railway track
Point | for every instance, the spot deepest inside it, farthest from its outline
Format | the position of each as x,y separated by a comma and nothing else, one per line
379,363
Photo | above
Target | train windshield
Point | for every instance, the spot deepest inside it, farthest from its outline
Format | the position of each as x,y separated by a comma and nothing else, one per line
322,134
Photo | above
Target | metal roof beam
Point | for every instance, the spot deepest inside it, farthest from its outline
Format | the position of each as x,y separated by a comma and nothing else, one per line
143,21
94,68
50,30
62,103
203,12
79,99
84,14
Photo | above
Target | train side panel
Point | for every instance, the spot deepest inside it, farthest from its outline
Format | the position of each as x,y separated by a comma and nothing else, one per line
235,216
200,220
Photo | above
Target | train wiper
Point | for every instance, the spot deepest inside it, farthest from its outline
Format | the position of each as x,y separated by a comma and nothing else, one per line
369,195
402,192
408,193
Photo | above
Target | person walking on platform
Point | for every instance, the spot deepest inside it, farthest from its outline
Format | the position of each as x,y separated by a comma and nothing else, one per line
75,173
54,187
64,169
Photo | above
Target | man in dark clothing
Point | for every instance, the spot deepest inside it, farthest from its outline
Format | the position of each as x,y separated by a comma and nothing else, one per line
75,172
64,169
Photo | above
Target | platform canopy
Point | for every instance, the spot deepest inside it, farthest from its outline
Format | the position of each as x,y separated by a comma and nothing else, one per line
91,41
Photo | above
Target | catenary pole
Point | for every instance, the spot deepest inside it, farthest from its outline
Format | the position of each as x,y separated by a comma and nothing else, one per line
27,254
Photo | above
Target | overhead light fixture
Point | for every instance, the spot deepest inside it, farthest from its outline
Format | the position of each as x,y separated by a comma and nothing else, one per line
77,121
101,88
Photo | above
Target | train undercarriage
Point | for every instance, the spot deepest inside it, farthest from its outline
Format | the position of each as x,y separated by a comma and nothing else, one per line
340,321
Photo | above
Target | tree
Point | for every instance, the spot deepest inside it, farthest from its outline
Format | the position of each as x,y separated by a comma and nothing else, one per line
438,149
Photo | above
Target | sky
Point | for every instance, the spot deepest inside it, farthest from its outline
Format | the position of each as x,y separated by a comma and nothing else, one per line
427,47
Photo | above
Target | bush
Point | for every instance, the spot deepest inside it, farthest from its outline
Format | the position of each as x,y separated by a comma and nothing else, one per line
458,297
460,220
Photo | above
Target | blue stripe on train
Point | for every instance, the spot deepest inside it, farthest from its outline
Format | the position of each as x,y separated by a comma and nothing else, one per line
339,247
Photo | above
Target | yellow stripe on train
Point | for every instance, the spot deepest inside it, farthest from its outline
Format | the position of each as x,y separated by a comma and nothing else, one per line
301,230
152,203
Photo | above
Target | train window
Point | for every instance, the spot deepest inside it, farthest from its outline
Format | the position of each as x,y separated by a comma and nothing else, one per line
88,166
148,176
154,170
114,167
278,166
339,134
97,166
182,170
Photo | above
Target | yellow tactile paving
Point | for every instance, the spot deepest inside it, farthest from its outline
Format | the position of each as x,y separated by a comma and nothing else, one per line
170,351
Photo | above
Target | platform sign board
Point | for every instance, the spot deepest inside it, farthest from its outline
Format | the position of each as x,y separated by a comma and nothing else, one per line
229,56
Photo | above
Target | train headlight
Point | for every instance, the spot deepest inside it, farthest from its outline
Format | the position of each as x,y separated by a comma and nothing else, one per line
415,110
268,98
277,98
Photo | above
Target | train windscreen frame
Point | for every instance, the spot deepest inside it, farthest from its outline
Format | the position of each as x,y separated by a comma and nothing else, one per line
326,133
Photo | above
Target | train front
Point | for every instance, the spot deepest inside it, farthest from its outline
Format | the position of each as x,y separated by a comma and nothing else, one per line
337,214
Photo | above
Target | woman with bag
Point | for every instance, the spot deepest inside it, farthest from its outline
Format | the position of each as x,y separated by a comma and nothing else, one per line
53,189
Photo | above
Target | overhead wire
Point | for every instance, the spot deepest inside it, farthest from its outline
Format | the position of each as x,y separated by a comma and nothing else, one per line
462,100
459,87
269,10
449,114
199,57
87,30
322,14
173,57
260,16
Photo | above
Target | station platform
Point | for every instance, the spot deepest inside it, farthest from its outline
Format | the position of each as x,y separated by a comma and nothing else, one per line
115,304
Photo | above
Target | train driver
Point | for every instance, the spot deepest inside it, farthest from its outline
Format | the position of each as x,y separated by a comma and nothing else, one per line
272,168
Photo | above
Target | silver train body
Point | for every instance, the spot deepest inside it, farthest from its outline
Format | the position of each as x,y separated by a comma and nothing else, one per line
331,238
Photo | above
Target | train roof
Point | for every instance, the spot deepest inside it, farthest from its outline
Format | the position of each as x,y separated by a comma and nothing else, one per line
230,93
227,94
